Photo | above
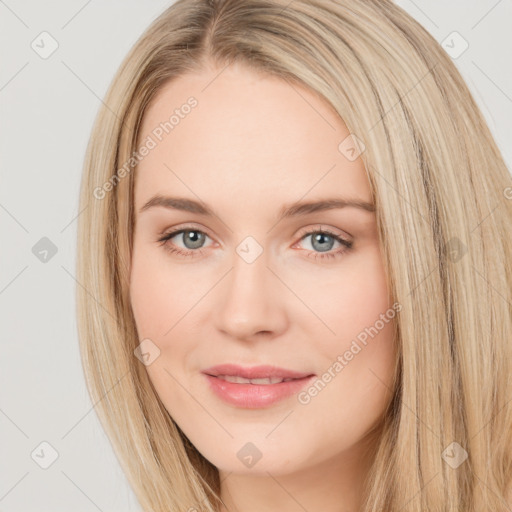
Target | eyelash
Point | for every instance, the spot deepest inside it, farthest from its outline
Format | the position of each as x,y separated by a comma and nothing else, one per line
347,245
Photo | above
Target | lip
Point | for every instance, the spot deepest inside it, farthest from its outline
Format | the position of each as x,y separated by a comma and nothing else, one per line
255,372
255,396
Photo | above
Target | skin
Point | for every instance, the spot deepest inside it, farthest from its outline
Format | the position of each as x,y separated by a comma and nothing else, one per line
252,145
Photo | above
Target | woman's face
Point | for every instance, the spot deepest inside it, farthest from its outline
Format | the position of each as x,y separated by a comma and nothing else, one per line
255,278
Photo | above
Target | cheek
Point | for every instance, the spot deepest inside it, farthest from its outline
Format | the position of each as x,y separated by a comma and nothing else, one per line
149,297
160,294
352,297
157,300
162,298
356,385
361,355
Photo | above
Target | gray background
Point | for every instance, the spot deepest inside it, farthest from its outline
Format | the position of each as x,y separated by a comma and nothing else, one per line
47,109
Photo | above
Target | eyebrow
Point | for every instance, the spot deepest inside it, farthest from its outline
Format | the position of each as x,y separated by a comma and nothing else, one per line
296,209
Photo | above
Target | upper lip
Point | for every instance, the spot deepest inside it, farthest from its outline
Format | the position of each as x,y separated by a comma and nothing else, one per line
255,372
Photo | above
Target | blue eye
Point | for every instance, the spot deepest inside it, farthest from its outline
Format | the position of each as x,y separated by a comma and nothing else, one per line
194,237
193,240
323,241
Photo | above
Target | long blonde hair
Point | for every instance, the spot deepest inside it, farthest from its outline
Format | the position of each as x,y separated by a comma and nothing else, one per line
444,211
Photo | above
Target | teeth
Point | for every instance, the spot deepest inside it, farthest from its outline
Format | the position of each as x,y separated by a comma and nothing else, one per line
242,380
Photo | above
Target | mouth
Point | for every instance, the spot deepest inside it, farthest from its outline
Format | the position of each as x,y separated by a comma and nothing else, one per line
255,372
259,387
264,381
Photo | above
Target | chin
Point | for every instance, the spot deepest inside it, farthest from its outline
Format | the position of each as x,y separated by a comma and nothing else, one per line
257,459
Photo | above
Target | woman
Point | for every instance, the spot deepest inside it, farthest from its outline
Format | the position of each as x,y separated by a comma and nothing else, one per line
238,362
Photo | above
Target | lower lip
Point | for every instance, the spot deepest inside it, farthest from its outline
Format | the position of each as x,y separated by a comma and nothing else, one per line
253,396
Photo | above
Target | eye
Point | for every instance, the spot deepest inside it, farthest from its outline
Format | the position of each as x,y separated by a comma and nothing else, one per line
193,240
322,240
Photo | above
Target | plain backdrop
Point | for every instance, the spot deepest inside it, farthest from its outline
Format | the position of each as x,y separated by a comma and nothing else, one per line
48,104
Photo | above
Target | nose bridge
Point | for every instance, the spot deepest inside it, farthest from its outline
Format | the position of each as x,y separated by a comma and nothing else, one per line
250,295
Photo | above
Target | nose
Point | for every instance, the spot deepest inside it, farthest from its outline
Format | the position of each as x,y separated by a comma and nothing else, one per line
250,301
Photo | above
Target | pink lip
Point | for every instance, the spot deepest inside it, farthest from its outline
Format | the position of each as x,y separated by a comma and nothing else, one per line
253,396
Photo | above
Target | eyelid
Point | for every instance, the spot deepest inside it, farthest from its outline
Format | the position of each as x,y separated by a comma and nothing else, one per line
175,230
325,229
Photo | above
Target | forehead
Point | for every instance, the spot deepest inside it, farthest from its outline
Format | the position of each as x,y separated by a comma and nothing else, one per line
239,133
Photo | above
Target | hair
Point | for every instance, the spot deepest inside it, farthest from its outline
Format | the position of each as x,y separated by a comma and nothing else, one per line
444,214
